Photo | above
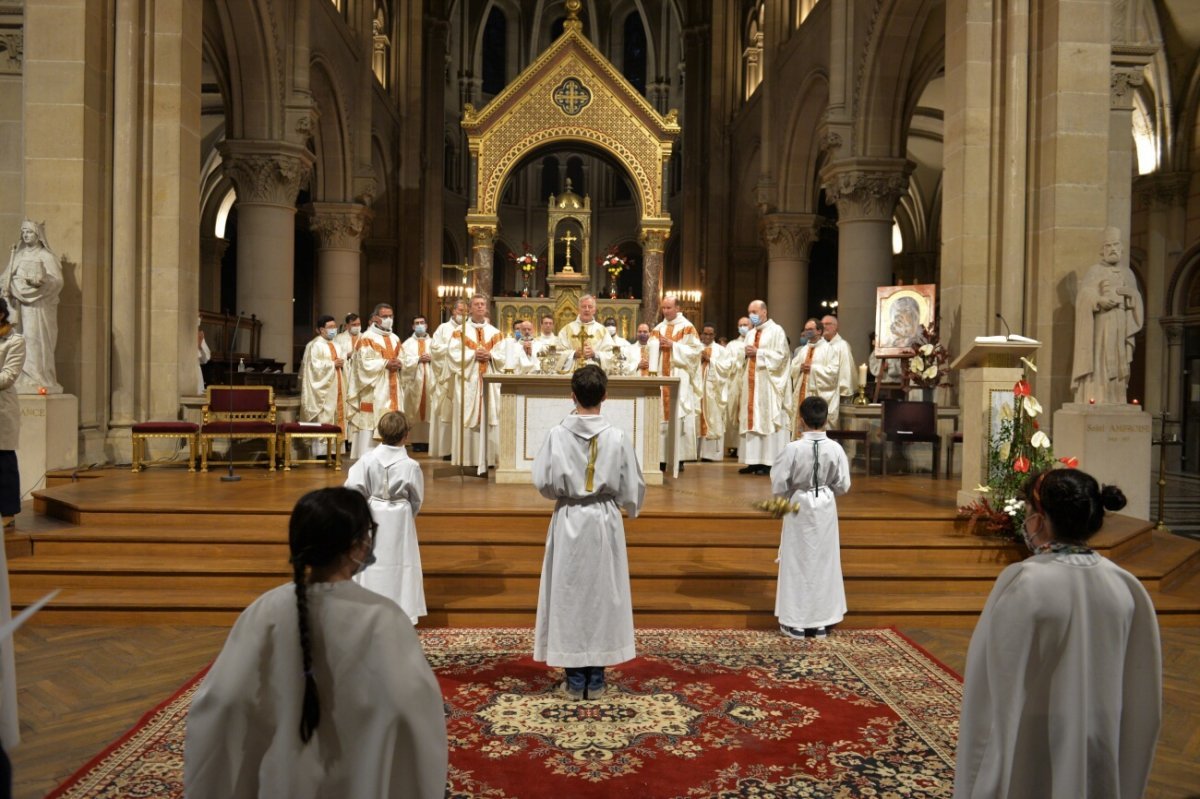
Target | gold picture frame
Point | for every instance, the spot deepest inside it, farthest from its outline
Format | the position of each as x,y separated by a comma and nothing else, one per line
900,313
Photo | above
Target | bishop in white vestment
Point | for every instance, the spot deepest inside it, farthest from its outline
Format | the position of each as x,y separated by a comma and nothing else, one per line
810,472
382,730
585,612
394,487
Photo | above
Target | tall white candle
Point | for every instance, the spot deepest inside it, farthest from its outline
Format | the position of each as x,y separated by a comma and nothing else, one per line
862,374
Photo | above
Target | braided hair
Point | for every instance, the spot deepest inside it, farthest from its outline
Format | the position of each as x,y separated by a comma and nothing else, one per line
325,525
1073,501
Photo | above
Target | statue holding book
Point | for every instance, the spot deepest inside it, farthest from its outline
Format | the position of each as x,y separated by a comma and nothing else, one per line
1108,313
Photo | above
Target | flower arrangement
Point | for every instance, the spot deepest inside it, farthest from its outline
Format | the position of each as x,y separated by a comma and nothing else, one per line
527,262
1020,448
929,362
613,263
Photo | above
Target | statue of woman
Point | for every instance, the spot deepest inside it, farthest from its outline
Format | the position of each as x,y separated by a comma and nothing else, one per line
32,283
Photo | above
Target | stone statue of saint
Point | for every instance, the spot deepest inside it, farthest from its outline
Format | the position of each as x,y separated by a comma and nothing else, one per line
1108,312
31,283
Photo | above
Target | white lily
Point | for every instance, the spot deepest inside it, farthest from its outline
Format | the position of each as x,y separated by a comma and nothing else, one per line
982,489
927,349
1029,364
1040,440
1032,406
930,373
917,365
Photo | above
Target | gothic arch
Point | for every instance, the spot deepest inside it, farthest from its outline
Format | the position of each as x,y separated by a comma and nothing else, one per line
253,66
799,159
331,135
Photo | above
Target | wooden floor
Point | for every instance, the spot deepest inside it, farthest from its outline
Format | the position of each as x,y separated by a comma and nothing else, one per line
80,688
168,546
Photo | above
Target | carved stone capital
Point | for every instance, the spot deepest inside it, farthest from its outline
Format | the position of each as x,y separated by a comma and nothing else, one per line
1173,328
866,188
789,236
12,50
654,239
338,226
266,172
482,236
1160,190
1123,85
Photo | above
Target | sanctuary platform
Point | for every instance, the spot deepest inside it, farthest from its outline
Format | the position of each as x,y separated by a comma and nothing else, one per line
170,546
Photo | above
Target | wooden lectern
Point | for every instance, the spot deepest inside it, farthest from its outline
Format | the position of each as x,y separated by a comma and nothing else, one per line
984,368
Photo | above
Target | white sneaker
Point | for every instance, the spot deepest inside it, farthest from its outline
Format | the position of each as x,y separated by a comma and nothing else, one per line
791,632
822,632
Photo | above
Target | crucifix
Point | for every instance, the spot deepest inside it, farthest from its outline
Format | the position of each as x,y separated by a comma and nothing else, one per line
567,238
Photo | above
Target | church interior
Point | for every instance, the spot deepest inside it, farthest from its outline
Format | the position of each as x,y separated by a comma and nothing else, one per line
248,166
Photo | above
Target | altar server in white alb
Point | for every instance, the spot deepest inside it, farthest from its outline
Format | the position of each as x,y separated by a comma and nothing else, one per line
322,689
374,383
394,487
323,380
416,379
811,472
585,612
1063,691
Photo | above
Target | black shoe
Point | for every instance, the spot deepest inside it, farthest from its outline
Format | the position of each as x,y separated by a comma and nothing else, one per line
662,467
681,466
445,457
751,469
763,469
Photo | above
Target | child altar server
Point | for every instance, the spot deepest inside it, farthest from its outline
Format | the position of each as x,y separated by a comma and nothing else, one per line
392,483
810,472
585,613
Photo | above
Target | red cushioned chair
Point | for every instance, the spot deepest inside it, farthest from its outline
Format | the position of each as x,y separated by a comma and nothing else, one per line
174,430
312,431
238,413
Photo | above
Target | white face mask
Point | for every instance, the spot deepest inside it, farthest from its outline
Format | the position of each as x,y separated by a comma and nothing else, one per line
355,329
612,329
458,319
743,329
385,322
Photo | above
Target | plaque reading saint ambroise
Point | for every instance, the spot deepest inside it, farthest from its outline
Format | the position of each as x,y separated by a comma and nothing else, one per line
571,96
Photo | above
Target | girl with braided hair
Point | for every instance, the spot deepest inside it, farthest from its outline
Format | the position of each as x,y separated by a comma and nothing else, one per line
1063,693
322,689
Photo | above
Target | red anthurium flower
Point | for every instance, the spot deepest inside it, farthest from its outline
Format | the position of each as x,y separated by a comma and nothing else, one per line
1071,463
1021,464
1036,426
1022,389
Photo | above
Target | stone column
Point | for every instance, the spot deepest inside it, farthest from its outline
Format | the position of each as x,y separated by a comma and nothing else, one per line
1163,197
654,242
1174,398
789,239
1127,73
339,229
483,251
267,176
212,251
865,191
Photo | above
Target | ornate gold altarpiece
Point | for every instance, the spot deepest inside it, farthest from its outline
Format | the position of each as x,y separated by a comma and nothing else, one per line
571,94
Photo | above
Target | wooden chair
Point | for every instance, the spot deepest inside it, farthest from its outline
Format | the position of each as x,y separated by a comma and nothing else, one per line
173,430
956,439
907,422
331,434
238,413
854,435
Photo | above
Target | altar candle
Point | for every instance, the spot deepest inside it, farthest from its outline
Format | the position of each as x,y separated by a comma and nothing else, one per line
862,374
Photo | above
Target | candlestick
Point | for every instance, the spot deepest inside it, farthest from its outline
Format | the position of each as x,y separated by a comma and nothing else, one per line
862,374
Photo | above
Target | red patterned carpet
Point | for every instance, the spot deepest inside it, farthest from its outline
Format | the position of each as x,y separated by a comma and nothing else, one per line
699,713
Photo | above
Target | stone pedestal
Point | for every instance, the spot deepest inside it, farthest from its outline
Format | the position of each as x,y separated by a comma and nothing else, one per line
49,436
1112,443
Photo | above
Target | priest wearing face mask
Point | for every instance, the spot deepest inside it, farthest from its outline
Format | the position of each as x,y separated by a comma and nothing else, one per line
585,339
763,407
416,377
517,351
735,351
637,354
716,369
323,380
441,431
817,369
374,384
473,352
675,350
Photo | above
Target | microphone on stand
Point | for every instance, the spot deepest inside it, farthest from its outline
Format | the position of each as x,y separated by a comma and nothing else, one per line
231,477
1007,329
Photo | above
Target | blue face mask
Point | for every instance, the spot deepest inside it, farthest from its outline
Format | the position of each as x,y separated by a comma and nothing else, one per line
329,334
743,330
419,329
755,319
517,335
